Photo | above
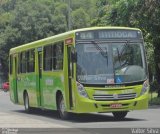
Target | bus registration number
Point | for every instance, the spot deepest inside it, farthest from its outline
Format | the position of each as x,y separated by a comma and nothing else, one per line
116,105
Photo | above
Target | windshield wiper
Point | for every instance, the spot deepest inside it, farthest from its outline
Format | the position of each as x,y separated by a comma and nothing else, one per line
119,56
102,52
125,46
121,53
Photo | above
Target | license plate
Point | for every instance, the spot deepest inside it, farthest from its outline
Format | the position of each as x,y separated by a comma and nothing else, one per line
116,105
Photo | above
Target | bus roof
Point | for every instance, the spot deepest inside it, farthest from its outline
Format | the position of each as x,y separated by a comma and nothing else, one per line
59,37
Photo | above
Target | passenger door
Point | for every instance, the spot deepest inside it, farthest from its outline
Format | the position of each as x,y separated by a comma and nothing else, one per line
70,76
40,77
15,68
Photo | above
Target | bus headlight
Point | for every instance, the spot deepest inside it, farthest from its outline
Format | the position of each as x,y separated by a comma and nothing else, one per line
81,90
145,87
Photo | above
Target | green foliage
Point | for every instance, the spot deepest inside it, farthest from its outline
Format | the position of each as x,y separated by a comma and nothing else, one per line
155,101
60,17
154,86
80,19
153,98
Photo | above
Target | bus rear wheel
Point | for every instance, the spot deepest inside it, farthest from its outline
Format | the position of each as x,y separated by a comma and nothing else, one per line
26,103
62,109
119,115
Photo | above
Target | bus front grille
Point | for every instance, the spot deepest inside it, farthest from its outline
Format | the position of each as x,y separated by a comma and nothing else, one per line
113,97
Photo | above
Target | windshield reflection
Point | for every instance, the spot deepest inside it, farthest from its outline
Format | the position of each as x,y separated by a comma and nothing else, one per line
110,63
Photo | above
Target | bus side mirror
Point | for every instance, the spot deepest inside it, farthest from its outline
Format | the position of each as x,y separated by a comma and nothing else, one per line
74,56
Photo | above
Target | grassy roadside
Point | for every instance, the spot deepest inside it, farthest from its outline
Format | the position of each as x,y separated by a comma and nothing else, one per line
153,100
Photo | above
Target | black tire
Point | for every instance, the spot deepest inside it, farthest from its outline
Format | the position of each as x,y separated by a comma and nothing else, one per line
5,90
26,103
61,108
119,115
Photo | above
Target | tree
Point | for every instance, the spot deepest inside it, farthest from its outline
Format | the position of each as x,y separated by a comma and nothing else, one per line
80,19
25,22
60,17
149,11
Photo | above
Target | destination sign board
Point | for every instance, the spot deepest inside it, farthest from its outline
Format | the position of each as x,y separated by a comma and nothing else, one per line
117,34
86,35
108,34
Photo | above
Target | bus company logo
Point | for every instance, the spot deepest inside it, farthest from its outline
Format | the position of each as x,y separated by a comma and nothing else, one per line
115,96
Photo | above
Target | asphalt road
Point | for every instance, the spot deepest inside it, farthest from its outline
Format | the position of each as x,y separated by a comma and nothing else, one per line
13,116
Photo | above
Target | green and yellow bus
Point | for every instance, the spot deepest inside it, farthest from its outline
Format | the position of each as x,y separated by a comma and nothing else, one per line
99,69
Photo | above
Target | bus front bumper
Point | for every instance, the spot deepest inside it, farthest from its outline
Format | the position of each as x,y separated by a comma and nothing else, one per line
84,105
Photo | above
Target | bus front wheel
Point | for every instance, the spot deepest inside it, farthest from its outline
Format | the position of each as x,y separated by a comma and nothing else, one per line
62,109
120,115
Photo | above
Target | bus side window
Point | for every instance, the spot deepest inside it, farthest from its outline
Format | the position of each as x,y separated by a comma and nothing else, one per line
48,58
19,63
53,57
30,61
23,61
58,56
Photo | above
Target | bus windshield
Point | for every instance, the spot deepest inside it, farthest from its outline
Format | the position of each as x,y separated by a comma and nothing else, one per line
110,63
